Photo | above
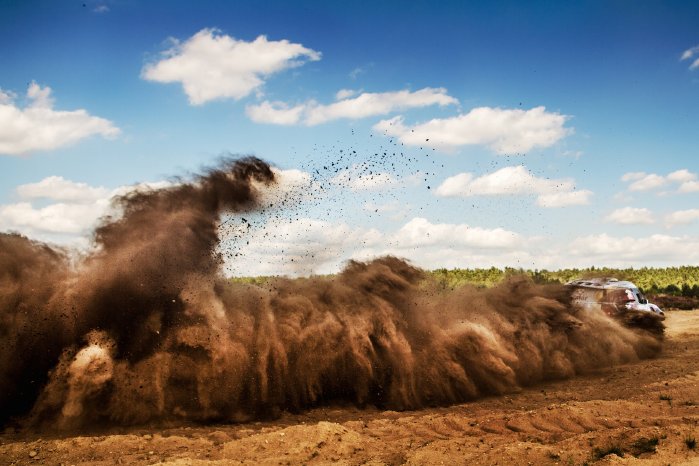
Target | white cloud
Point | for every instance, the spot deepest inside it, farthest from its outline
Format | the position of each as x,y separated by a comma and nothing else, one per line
301,246
38,126
371,104
364,105
345,93
689,54
681,217
64,218
419,232
57,188
512,181
211,65
647,182
507,180
689,187
275,113
505,131
643,181
564,199
631,216
6,97
306,246
613,251
72,211
682,176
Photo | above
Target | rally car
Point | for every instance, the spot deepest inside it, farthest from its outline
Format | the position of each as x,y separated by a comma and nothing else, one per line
619,299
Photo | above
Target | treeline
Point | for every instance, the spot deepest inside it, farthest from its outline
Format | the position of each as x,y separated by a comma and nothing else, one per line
670,281
673,281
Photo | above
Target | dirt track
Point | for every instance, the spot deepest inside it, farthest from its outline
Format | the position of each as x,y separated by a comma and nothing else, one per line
554,423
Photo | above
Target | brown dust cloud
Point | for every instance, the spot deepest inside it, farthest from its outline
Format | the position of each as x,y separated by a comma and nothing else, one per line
146,328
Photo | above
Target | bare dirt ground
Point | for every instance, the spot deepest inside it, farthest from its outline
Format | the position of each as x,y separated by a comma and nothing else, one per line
647,411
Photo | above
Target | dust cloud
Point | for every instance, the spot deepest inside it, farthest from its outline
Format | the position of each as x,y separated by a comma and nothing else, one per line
147,329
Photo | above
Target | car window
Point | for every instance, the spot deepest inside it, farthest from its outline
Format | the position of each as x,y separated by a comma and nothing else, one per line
641,299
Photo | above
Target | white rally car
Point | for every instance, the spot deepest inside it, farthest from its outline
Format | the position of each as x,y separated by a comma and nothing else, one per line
616,298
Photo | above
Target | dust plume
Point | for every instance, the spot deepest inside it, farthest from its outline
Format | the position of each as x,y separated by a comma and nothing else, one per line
147,329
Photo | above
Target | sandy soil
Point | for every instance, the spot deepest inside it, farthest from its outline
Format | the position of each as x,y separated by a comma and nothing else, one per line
625,408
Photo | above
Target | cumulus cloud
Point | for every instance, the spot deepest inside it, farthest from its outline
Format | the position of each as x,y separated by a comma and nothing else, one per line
6,97
681,217
682,176
364,105
73,208
690,55
345,93
685,180
624,251
38,126
564,199
631,216
419,232
504,131
58,188
211,65
66,210
275,113
306,246
63,218
302,246
512,181
507,180
689,187
63,211
647,182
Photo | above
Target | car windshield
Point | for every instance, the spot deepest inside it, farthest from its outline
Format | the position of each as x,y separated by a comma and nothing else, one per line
641,299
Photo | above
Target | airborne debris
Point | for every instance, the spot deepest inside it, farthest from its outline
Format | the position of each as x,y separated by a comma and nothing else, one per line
146,328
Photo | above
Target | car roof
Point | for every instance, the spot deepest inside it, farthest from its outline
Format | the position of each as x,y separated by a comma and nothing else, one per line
601,283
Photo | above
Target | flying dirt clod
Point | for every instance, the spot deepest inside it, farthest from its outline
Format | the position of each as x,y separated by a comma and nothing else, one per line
146,328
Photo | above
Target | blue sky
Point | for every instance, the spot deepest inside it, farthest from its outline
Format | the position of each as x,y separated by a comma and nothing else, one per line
553,134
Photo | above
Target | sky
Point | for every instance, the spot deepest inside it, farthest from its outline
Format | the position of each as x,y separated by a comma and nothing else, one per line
541,135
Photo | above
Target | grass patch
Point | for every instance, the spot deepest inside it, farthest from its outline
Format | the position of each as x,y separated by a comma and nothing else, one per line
690,442
599,453
644,445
